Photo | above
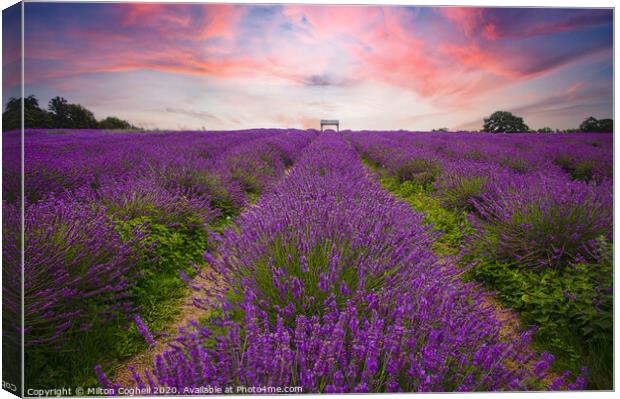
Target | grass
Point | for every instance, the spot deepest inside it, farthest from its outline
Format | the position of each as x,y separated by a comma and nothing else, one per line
158,293
453,226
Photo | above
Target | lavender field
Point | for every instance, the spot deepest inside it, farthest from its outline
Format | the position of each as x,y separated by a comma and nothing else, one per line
359,261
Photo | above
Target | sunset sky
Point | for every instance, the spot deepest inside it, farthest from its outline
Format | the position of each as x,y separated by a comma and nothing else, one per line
184,66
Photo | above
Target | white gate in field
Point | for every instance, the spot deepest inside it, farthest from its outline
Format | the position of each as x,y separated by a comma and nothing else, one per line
330,122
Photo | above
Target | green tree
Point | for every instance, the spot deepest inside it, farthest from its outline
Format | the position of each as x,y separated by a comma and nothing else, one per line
545,130
59,107
12,116
112,122
34,117
606,125
80,117
591,124
70,116
503,121
62,115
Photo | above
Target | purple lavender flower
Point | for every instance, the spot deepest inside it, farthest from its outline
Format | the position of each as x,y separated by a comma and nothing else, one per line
144,331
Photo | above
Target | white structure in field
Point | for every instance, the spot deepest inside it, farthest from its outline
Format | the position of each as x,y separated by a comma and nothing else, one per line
330,122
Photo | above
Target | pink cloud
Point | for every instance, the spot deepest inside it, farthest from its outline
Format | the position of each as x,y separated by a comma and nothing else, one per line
321,46
497,23
184,20
468,19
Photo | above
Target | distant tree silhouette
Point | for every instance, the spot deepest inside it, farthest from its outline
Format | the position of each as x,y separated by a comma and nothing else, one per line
70,116
504,122
545,130
80,117
62,114
34,116
112,122
591,124
12,116
59,107
606,125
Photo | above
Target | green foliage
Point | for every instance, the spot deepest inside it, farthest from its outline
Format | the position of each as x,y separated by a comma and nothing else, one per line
81,118
246,173
420,171
583,170
572,309
71,116
114,123
210,186
77,358
61,115
545,130
142,207
160,252
474,155
565,162
517,164
458,193
539,238
58,106
34,116
505,122
452,224
165,249
591,124
283,258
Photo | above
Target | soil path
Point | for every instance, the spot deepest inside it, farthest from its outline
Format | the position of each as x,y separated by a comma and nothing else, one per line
511,326
188,312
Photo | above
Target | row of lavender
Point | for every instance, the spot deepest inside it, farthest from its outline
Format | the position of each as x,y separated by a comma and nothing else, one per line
56,161
499,178
331,285
104,211
540,211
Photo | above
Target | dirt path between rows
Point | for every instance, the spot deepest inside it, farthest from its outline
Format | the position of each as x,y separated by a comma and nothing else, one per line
509,319
188,312
511,325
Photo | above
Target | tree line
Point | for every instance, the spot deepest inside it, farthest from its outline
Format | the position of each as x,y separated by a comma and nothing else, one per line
63,115
506,122
60,114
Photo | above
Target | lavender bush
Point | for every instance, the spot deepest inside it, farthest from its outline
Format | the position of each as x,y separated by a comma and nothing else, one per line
540,222
77,271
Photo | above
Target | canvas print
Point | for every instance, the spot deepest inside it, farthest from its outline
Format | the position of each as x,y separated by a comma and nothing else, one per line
295,198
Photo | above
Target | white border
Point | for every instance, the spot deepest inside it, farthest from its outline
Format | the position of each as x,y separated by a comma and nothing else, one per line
482,3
